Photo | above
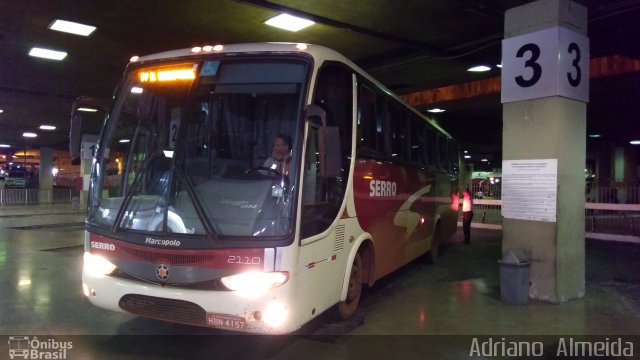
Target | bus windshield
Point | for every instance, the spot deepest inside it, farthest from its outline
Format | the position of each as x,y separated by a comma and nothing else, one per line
185,149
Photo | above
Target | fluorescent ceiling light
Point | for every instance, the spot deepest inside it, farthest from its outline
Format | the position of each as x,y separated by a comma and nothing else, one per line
123,141
595,135
47,54
467,156
71,27
29,134
289,22
1,111
87,109
480,68
634,142
136,90
47,127
5,145
484,160
436,110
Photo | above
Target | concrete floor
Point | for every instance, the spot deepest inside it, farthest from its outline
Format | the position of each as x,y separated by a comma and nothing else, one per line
459,296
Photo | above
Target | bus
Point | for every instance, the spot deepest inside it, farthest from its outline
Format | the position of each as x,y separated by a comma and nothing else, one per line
197,231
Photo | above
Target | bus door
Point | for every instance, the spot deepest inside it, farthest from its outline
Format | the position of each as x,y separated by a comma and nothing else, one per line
325,175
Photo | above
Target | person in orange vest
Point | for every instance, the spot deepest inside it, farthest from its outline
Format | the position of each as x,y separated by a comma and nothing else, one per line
467,215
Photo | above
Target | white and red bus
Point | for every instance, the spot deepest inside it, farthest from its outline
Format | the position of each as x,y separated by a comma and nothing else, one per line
197,231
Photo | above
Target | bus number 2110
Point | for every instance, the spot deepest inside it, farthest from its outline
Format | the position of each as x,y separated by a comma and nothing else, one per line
245,260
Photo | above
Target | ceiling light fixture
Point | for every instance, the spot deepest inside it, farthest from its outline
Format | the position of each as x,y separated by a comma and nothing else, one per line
289,22
47,54
29,135
634,142
595,136
436,110
47,127
72,27
5,145
480,68
86,109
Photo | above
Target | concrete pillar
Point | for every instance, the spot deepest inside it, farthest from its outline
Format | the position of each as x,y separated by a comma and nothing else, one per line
45,177
87,148
548,124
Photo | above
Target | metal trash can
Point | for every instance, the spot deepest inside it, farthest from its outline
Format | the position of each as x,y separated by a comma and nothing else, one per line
514,278
75,203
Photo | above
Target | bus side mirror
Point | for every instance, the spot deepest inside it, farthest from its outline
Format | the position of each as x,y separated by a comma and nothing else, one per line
81,123
316,116
74,137
328,141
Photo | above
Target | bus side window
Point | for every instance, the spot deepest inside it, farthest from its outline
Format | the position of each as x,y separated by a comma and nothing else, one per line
398,132
418,137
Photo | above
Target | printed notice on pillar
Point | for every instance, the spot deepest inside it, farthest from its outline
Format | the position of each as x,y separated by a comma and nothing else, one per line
530,189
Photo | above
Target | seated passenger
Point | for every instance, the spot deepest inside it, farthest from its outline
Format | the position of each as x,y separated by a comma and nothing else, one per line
280,154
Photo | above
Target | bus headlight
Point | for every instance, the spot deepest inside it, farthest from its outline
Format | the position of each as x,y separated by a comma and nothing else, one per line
255,282
96,265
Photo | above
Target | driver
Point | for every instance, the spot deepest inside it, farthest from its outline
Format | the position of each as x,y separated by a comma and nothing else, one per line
280,154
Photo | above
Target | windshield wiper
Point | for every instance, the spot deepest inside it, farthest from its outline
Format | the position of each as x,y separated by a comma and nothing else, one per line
208,225
130,193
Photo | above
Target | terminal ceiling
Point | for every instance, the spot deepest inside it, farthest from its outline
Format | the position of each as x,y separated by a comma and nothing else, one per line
409,46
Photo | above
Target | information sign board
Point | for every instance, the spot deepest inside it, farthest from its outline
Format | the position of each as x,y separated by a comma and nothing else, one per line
530,189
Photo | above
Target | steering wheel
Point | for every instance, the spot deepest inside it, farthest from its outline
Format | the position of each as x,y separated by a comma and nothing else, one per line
260,168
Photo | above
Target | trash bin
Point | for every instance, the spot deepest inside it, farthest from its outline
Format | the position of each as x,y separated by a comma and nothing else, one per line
75,203
514,278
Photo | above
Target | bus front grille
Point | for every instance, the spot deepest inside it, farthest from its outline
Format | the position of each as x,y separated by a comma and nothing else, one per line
215,284
178,311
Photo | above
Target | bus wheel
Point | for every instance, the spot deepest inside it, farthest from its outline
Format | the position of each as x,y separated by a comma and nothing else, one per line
435,245
348,307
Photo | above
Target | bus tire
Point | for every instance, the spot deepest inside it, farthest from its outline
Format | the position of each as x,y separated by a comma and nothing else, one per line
349,307
435,245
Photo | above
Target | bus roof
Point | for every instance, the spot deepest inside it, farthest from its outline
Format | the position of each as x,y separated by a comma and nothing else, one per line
249,48
316,51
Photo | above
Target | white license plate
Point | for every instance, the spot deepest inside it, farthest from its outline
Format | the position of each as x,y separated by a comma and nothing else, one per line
225,321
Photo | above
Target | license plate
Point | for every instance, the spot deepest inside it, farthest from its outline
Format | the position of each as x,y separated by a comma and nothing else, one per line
225,321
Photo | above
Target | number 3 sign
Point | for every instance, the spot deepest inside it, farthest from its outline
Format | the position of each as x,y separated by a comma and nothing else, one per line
549,62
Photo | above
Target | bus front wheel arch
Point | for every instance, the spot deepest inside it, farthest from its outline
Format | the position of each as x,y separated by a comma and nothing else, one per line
349,306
